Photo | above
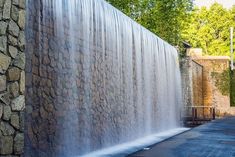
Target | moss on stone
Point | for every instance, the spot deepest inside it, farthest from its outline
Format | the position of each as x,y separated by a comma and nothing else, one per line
232,89
222,81
225,82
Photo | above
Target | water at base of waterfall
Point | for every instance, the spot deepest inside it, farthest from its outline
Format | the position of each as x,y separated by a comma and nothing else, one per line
128,148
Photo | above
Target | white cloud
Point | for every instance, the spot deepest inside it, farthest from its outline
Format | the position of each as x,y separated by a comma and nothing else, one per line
208,3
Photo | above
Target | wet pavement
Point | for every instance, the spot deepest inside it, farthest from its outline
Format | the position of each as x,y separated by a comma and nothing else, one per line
214,139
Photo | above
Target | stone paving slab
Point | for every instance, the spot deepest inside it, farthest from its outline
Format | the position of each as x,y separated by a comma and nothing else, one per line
214,139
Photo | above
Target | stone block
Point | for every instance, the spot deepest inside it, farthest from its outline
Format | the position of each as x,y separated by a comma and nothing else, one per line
19,143
12,40
22,82
22,121
22,4
18,104
1,110
13,28
2,83
13,89
6,145
4,62
6,112
15,2
21,41
15,120
7,9
1,3
13,51
15,13
21,20
7,129
3,44
20,61
5,98
13,74
3,27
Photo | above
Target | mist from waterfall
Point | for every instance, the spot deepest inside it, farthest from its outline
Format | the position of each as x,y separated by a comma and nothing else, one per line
121,81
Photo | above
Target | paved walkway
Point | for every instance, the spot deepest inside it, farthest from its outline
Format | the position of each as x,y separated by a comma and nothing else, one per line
215,139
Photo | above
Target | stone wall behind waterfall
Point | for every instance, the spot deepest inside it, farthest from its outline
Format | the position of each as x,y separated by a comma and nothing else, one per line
12,77
85,93
192,84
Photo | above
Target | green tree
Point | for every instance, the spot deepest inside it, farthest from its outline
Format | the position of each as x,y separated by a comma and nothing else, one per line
165,18
129,7
209,29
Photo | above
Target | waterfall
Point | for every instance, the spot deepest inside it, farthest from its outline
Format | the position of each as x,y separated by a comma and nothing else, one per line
96,79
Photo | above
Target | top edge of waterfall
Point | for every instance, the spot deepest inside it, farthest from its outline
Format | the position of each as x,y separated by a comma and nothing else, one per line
128,18
106,4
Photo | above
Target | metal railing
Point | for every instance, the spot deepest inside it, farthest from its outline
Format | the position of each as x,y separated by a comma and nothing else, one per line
199,114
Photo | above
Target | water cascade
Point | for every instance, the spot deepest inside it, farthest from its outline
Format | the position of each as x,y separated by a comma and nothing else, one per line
95,79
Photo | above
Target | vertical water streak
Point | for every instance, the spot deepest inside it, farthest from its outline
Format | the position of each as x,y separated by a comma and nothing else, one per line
103,79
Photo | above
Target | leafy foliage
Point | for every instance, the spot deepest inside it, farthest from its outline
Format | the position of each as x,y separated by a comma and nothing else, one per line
209,29
232,88
177,20
225,82
166,18
222,81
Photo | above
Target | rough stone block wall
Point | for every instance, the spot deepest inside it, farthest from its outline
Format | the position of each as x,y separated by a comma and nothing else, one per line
187,89
12,77
197,85
197,75
99,87
192,84
216,84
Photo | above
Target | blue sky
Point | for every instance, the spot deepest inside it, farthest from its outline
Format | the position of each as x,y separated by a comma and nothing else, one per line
207,3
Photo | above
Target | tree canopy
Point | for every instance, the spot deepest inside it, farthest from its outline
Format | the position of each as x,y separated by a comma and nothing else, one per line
163,17
178,20
209,29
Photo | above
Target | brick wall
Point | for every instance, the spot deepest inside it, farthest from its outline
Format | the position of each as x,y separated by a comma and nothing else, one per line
12,77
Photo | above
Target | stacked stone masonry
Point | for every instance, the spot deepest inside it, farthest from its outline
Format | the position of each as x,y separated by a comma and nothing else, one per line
59,91
42,110
216,84
192,84
187,89
12,77
206,82
197,74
